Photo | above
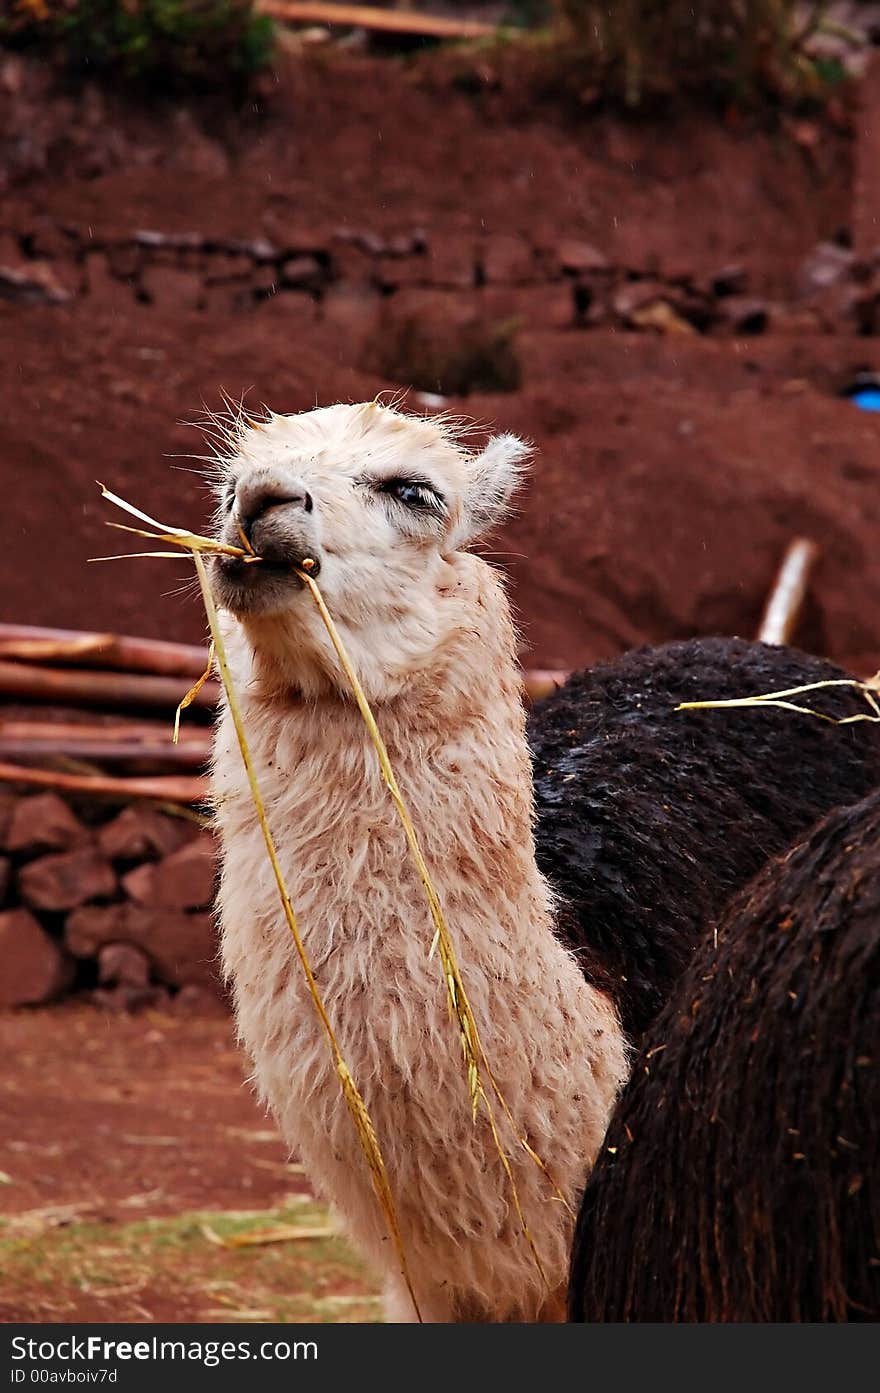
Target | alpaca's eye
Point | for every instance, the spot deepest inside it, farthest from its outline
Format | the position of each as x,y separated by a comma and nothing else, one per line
413,493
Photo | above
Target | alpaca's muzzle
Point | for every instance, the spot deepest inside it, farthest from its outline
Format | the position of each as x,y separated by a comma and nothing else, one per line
282,534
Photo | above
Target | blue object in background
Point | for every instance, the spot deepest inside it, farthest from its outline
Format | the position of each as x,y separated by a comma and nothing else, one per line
868,398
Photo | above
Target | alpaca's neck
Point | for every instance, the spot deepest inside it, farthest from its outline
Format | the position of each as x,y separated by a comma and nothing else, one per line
457,742
456,738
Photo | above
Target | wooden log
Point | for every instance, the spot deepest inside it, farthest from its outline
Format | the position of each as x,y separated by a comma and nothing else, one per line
144,759
379,20
169,788
35,644
786,600
542,682
132,734
114,689
141,689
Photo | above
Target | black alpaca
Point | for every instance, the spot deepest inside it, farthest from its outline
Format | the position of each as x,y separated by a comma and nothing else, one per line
650,819
739,1178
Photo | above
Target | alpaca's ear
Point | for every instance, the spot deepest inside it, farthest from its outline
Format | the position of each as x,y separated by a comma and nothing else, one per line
493,478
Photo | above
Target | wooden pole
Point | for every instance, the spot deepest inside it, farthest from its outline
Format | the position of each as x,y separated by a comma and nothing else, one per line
35,644
164,789
786,600
139,758
132,734
379,20
542,682
139,675
114,689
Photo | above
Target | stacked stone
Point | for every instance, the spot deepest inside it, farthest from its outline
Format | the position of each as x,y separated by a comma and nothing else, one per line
119,908
363,279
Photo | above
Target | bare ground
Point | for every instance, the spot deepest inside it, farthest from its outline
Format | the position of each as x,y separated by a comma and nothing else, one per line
126,1139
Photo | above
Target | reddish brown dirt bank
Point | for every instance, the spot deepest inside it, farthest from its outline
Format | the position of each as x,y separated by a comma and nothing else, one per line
672,469
152,258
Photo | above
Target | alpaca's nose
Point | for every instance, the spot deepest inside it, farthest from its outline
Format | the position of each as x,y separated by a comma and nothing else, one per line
253,499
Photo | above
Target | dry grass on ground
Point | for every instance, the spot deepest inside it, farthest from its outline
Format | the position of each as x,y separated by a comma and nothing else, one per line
129,1146
55,1268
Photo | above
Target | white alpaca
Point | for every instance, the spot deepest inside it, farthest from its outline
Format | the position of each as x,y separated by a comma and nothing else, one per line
385,503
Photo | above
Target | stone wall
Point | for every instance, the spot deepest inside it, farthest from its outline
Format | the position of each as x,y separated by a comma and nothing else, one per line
115,903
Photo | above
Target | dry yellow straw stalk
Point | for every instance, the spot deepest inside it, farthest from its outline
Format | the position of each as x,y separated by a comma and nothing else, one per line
355,1103
457,999
281,1233
783,701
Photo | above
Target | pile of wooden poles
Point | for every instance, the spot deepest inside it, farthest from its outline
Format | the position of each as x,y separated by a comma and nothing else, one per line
117,749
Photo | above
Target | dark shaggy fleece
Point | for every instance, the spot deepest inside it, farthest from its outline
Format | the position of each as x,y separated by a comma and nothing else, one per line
650,819
739,1177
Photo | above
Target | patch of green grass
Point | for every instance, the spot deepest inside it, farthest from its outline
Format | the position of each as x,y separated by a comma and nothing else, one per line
168,42
55,1273
639,49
